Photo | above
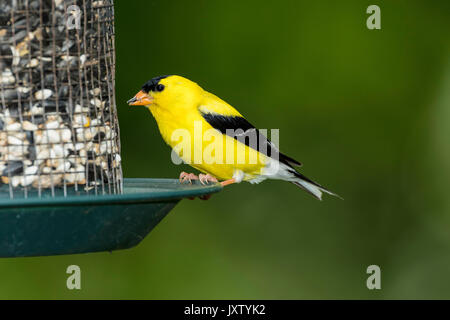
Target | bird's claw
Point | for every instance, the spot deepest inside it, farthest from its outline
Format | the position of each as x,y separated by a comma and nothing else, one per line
206,178
187,177
203,178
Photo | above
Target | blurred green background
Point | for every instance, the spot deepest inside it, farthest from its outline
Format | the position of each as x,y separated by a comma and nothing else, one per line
366,111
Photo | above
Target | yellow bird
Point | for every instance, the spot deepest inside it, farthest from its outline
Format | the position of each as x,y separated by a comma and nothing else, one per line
189,117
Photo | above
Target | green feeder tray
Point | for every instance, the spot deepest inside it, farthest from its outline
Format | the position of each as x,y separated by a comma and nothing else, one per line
89,223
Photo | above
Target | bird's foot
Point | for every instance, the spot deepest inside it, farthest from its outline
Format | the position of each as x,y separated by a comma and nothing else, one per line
206,178
187,177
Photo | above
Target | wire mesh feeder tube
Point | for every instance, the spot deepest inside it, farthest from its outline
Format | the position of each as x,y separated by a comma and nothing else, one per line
59,131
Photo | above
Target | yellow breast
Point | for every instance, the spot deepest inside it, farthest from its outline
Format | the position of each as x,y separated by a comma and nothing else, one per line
206,149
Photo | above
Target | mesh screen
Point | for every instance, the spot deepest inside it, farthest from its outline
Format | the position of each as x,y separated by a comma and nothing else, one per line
59,131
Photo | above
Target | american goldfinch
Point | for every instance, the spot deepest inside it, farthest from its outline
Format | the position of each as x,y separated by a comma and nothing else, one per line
184,111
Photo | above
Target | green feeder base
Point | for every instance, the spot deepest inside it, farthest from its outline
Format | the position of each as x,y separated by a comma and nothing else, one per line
88,223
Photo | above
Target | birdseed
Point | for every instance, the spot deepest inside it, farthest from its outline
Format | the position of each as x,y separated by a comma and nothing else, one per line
58,119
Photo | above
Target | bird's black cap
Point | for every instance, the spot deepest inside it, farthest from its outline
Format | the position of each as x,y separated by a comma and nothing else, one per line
151,84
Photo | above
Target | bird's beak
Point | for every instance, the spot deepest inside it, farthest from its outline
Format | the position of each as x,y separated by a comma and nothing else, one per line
140,99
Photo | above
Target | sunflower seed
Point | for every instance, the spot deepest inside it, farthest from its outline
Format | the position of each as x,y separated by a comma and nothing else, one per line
43,94
57,109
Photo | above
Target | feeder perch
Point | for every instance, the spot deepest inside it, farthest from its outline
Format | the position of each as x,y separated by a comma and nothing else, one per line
61,184
89,223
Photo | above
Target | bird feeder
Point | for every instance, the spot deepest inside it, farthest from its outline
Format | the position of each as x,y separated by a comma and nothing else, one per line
60,163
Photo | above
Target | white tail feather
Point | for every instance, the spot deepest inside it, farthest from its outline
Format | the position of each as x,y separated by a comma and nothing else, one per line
277,170
314,190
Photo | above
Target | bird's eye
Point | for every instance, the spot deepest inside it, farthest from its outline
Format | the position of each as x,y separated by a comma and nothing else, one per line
159,87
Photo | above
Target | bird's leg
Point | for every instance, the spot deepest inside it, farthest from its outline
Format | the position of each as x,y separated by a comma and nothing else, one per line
206,178
184,176
227,182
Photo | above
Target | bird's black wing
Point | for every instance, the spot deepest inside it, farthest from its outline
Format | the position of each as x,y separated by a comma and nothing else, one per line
243,131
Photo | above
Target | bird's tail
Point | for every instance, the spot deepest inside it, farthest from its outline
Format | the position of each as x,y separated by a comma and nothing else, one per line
310,186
